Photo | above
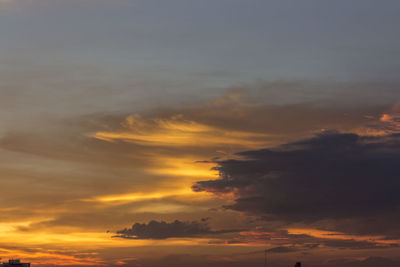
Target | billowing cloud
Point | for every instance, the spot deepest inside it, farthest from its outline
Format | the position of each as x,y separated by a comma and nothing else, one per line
332,176
163,230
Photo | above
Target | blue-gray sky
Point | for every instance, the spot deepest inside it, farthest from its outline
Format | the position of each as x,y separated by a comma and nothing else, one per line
144,49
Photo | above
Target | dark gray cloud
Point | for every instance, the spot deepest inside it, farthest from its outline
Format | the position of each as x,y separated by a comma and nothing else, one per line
206,260
163,230
286,242
332,176
282,249
369,262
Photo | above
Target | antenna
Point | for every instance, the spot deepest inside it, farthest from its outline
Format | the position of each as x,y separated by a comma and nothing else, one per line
265,257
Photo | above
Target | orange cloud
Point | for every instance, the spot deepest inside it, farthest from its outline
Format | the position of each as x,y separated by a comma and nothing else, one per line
392,118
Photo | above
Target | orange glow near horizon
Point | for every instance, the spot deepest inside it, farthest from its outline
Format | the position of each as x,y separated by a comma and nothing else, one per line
172,194
338,235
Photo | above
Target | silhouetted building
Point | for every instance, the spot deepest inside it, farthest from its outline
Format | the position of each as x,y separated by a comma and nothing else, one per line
15,263
298,264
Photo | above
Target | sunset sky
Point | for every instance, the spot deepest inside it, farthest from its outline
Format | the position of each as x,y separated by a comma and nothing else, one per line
200,132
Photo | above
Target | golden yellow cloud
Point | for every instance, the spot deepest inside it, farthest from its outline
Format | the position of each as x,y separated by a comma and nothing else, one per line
176,131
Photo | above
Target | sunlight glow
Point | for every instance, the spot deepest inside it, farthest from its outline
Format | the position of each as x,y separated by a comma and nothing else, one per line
177,131
141,196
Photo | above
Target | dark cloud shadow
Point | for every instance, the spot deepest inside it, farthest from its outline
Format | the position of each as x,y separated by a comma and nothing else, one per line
332,176
164,230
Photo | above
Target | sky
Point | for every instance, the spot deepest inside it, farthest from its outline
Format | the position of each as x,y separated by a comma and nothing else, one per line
200,132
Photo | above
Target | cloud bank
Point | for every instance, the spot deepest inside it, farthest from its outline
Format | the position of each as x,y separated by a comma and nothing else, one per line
332,176
163,230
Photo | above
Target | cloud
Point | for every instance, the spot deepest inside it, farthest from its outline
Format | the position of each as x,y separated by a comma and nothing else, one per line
285,241
369,262
391,119
163,230
134,181
332,176
177,131
281,250
237,260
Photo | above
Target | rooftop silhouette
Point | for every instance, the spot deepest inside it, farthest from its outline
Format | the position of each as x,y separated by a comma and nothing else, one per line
15,263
